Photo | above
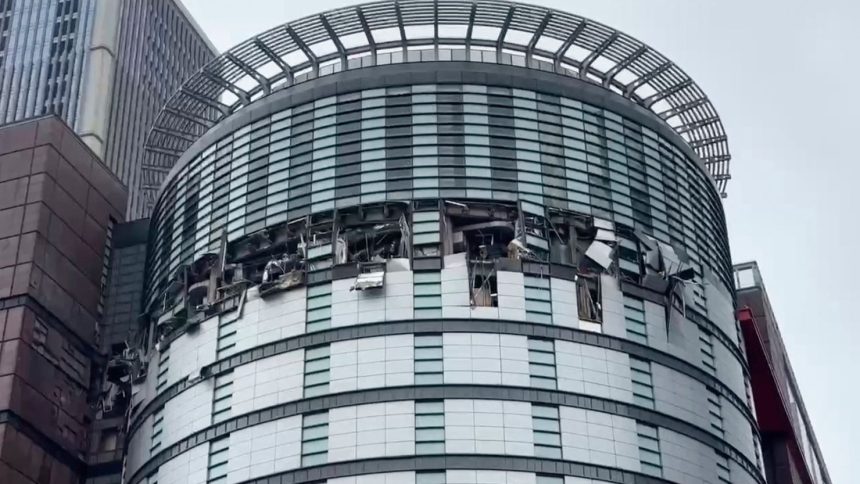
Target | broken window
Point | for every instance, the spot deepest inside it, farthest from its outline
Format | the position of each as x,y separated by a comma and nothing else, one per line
201,280
484,290
485,233
273,258
537,230
570,235
588,243
173,292
126,368
588,297
630,255
374,238
170,309
600,249
666,269
481,230
372,233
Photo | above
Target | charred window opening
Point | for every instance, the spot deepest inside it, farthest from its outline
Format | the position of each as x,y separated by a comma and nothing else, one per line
600,254
274,258
484,291
666,269
589,298
287,268
126,367
483,231
201,280
591,246
372,234
582,241
173,293
486,234
373,238
537,232
567,237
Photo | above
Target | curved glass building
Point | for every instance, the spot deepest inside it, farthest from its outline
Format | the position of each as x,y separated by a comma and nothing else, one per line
441,242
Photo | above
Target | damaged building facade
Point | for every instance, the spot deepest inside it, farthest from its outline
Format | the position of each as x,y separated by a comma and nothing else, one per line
440,242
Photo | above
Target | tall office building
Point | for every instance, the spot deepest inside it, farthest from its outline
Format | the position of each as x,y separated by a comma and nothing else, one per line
44,45
105,67
441,242
790,450
159,46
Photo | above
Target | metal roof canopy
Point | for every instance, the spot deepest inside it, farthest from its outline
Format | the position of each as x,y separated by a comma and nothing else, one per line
415,30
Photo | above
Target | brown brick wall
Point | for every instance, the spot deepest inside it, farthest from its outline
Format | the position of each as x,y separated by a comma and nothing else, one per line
56,198
43,378
56,203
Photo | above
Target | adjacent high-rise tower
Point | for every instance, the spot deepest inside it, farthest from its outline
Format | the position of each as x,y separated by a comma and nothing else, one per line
441,241
106,67
80,84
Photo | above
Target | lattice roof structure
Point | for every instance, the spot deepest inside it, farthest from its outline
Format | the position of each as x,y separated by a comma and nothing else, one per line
438,30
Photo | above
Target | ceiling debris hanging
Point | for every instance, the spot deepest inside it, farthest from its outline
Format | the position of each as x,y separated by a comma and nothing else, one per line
370,237
486,233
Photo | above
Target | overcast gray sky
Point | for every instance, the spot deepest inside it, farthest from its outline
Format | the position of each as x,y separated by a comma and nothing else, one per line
780,73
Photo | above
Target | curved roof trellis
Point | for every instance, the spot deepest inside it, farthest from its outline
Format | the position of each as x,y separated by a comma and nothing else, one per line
429,30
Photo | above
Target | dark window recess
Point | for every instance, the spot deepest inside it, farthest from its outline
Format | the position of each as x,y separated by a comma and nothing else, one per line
490,237
588,298
449,97
452,171
504,174
398,114
503,185
537,230
349,190
394,185
581,240
274,258
450,118
399,167
349,162
347,177
348,141
372,233
451,144
398,146
452,182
